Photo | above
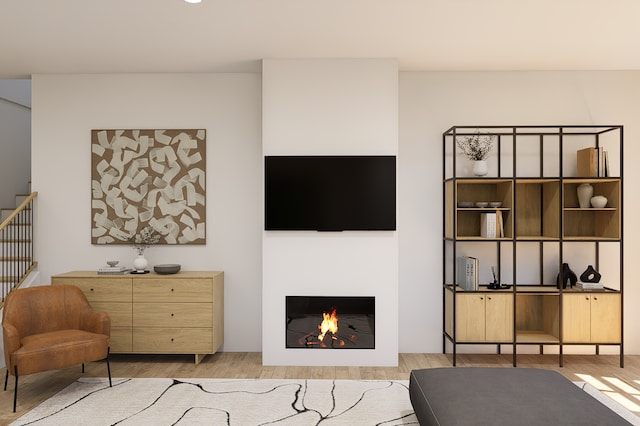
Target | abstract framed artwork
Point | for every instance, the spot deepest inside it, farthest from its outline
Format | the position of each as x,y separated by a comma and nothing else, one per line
143,178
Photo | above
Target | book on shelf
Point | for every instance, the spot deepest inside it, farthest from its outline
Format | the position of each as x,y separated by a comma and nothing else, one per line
491,225
592,162
113,270
589,286
468,273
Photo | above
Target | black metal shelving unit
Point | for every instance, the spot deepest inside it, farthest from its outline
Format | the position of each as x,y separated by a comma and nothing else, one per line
533,172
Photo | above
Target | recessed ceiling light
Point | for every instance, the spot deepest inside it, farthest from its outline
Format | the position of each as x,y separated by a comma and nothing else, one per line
193,1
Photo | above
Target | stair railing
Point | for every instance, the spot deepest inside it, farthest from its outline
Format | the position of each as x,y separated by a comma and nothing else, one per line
16,247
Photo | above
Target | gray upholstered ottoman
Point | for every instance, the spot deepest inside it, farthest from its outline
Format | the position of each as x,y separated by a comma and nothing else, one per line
503,396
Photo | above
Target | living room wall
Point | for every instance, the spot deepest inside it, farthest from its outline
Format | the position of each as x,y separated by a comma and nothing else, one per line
15,140
430,103
330,107
67,107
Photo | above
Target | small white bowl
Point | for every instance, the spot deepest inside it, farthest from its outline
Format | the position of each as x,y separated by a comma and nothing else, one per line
599,201
495,204
112,263
482,203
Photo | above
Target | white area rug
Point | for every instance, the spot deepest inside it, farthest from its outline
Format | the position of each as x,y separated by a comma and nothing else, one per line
610,403
226,402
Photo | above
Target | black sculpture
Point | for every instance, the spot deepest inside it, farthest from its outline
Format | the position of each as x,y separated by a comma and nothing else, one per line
567,276
590,275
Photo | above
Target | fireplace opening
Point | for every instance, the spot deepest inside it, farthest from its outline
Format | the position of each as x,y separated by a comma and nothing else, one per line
325,322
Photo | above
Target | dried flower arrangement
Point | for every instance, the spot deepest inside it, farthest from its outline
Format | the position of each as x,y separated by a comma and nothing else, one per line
476,147
148,236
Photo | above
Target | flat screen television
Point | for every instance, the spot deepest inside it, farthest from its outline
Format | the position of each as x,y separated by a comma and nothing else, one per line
330,193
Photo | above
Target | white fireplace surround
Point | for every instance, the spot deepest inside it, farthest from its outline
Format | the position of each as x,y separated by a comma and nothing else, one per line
330,107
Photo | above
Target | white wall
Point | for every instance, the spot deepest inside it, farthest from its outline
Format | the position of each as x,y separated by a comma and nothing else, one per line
15,140
330,107
67,107
431,102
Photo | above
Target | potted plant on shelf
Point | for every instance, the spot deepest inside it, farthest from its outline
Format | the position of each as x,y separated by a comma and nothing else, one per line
476,147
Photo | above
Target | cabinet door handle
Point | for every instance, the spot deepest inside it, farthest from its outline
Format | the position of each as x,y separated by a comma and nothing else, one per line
481,298
595,298
488,297
91,290
172,314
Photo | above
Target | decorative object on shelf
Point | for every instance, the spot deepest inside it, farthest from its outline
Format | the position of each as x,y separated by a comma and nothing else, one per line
112,263
568,276
140,263
590,275
167,269
482,204
585,192
476,147
480,167
599,201
495,204
141,241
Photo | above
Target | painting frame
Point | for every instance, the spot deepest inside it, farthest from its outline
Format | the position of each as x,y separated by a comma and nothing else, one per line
148,177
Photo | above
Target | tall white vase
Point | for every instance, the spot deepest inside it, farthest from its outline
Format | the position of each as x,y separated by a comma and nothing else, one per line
585,192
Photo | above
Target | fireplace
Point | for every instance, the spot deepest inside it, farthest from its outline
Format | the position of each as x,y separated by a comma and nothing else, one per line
325,322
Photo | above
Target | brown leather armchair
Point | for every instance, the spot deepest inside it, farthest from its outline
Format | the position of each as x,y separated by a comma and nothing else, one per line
51,327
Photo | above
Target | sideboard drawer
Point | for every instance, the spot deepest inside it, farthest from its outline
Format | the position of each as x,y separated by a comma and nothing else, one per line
99,289
172,290
121,340
119,312
172,340
172,315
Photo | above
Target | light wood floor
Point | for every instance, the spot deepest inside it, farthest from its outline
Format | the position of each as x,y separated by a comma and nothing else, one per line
603,372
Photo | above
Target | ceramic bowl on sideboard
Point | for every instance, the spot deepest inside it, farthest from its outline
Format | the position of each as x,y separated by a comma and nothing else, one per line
482,204
167,269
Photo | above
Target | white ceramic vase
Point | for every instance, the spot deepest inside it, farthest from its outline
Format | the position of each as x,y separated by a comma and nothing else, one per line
599,201
480,167
140,263
585,192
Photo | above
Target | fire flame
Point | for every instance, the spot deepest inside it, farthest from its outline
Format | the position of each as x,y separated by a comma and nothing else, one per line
329,323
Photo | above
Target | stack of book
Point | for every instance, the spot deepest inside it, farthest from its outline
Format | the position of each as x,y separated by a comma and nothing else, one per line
468,273
113,270
593,162
589,286
491,225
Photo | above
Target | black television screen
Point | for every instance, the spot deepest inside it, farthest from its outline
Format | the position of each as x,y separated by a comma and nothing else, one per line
330,193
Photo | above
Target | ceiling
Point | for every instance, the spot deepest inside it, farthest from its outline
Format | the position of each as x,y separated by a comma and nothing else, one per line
118,36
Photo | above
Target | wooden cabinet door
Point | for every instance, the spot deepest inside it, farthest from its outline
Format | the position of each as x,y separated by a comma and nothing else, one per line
499,318
605,318
576,318
470,314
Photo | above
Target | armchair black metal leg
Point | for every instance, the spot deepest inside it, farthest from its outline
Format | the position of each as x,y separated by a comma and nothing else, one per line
83,368
6,378
15,390
109,367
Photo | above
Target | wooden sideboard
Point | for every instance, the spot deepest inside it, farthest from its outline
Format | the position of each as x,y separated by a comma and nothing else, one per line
181,313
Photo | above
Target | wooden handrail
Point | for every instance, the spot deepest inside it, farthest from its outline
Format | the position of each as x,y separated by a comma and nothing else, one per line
18,209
